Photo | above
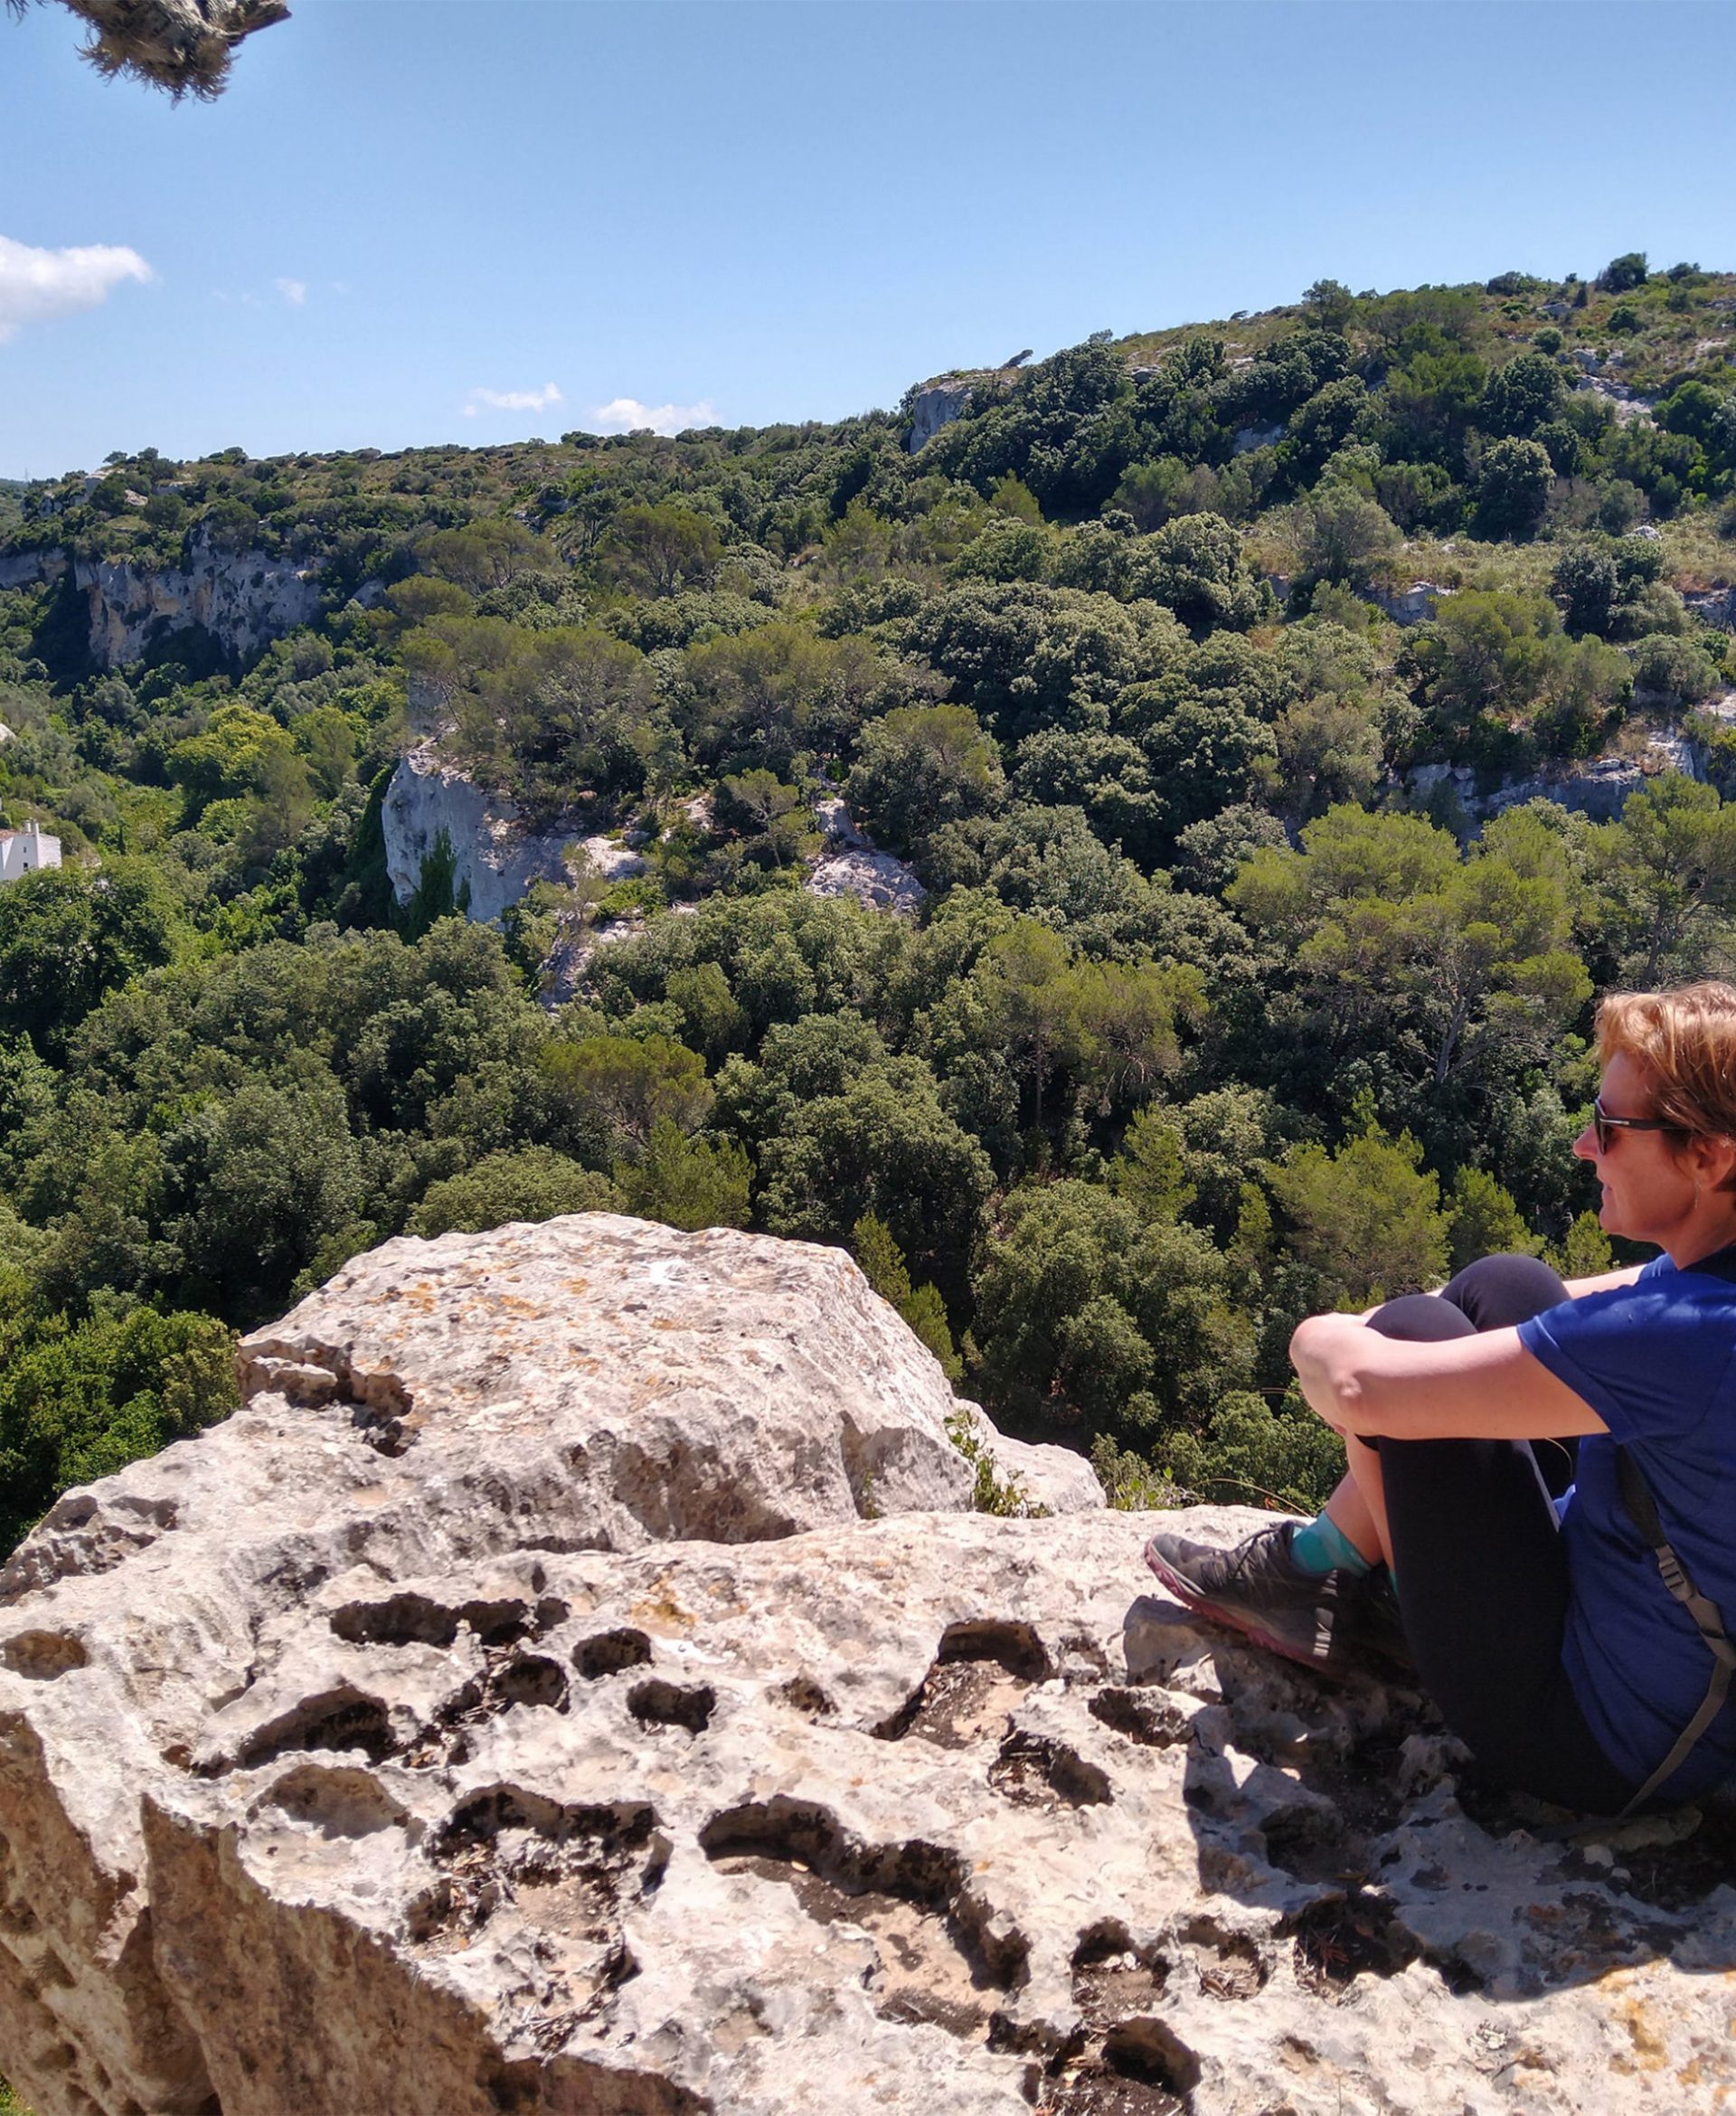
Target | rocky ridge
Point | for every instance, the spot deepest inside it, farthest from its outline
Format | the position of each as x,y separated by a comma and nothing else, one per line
540,1696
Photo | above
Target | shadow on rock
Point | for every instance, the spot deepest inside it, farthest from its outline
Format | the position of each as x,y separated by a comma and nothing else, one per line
1349,1810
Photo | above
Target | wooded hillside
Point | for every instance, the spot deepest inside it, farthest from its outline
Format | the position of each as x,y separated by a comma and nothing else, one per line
1220,1005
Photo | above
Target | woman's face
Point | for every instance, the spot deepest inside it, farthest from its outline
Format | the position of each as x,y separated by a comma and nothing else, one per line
1648,1192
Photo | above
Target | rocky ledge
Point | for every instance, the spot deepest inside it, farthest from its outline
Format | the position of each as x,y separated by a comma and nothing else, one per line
539,1698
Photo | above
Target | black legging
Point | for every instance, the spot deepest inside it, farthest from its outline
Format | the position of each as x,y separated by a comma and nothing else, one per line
1481,1572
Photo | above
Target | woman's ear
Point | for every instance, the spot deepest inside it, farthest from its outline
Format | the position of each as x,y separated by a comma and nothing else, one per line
1711,1161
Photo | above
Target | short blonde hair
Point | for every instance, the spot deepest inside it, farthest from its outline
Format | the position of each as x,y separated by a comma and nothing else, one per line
1686,1040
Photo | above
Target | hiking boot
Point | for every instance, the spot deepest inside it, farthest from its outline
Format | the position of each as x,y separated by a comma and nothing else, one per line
1372,1623
1259,1588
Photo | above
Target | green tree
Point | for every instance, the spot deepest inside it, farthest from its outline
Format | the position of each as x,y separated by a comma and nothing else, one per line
1367,1219
67,936
79,1402
661,547
688,1183
1512,488
921,766
1251,1454
922,1308
1666,878
1093,1320
628,1084
525,1183
1484,1220
1150,1172
1521,396
1623,273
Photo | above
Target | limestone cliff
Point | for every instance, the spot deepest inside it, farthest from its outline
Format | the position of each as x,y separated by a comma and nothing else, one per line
494,860
243,599
542,1697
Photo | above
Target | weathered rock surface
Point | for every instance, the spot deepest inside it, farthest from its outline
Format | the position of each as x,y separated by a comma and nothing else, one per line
849,866
369,1755
937,403
243,599
824,1822
494,859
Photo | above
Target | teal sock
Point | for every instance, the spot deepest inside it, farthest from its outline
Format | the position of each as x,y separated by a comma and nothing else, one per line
1323,1547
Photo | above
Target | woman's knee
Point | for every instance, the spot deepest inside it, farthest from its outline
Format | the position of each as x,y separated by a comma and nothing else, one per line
1421,1317
1497,1292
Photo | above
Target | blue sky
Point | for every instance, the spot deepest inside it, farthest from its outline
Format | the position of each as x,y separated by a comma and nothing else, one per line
403,211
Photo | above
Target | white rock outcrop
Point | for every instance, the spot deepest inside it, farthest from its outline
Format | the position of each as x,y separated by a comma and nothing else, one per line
244,599
938,404
494,859
29,569
1413,605
515,1705
1598,787
849,866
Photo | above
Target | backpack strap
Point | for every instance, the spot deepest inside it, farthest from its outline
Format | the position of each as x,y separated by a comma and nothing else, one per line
1642,1510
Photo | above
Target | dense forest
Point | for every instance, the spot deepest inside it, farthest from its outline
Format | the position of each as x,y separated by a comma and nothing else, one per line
1219,1005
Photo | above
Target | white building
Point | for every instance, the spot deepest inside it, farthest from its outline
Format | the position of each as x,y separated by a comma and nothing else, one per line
22,852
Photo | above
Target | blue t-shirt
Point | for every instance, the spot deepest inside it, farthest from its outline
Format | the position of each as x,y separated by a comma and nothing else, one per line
1657,1361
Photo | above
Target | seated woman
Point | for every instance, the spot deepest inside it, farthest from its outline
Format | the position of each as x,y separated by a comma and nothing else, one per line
1557,1650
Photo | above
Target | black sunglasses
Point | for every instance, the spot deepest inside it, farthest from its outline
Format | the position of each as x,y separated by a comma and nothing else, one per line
1603,1123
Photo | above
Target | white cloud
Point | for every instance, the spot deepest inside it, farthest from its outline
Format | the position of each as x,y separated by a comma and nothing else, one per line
293,291
512,400
36,285
627,415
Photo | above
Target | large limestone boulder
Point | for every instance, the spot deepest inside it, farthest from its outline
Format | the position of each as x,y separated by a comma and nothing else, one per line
424,1739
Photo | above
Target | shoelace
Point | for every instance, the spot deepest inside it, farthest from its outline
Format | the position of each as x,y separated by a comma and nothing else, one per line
1249,1555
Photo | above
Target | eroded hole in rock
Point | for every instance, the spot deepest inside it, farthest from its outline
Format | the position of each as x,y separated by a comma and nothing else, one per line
1311,1844
1151,1717
658,1703
1331,1842
1230,1964
940,1949
481,1819
1112,1978
1034,1771
1016,1647
980,1671
532,1678
1347,1936
1150,2053
807,1695
606,1653
567,1869
500,1622
1142,2068
43,1657
382,1428
343,1718
336,1803
405,1619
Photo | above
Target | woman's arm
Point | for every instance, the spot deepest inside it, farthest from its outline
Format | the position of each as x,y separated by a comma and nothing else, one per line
1486,1387
1604,1282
